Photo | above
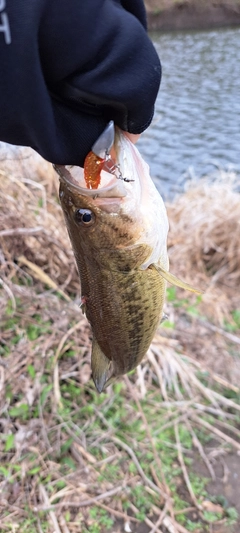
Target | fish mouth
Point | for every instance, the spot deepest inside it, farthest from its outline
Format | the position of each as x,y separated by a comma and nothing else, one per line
73,177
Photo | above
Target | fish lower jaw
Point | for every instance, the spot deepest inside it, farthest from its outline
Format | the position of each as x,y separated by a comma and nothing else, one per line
73,177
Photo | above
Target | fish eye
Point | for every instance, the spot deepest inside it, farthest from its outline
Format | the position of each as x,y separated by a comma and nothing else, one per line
84,217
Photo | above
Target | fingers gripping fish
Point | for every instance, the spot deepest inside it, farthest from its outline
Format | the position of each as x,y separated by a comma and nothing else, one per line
118,229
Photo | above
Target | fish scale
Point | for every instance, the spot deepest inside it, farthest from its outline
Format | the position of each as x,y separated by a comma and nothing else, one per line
125,317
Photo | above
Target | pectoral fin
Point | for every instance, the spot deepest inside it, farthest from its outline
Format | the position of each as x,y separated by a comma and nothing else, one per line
174,280
100,366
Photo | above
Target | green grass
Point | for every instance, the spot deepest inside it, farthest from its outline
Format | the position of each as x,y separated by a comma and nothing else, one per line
49,438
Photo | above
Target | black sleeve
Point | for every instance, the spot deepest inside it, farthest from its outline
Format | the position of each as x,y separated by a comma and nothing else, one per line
68,67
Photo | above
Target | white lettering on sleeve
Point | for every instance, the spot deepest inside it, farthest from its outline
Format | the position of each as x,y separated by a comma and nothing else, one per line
4,23
5,28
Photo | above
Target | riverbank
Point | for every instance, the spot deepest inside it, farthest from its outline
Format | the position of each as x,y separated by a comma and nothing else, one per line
170,15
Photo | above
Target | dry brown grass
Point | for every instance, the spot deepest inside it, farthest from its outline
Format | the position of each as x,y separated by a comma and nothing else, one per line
204,236
31,220
160,5
45,361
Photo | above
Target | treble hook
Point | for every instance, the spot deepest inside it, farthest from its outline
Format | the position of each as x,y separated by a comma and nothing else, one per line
101,149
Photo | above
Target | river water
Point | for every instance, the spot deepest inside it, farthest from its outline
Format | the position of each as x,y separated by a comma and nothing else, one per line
196,127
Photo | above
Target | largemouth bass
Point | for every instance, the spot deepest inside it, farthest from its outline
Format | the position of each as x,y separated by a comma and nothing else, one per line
119,238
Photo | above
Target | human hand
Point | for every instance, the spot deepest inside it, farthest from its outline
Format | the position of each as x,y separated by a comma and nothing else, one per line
111,75
87,63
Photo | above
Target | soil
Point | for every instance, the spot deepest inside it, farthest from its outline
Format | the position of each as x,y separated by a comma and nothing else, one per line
226,485
192,14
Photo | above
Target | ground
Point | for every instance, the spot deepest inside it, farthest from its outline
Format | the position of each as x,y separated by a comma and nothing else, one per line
160,450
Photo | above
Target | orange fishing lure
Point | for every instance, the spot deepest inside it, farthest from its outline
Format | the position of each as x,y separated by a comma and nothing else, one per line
93,166
100,159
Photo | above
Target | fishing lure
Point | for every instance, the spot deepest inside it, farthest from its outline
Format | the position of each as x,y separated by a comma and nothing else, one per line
93,166
99,159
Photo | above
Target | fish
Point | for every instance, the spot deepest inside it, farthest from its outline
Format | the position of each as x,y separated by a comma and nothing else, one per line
118,234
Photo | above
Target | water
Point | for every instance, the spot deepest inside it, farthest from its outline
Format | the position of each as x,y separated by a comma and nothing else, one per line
197,119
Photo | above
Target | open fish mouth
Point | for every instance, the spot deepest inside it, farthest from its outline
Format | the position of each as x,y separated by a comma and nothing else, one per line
73,177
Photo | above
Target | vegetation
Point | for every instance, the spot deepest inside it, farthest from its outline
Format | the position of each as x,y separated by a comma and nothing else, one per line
168,15
142,454
157,6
